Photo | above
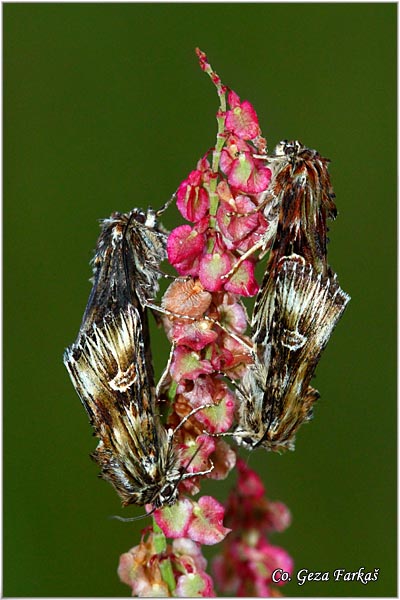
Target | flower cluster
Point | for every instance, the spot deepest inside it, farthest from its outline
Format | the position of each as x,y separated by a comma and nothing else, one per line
206,323
157,569
221,199
248,559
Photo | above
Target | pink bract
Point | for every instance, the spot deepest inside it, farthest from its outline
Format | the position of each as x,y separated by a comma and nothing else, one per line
242,119
195,335
206,526
212,267
187,364
184,245
242,281
192,199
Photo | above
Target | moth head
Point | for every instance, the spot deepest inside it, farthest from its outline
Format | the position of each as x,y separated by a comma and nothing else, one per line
288,148
245,439
139,215
167,496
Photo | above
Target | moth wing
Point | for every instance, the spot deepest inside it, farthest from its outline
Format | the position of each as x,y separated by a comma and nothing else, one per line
108,371
300,319
104,364
308,307
306,200
126,265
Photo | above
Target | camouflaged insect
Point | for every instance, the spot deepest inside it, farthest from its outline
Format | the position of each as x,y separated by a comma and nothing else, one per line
276,396
136,453
111,367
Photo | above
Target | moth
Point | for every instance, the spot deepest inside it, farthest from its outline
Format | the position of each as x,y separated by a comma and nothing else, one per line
111,368
136,453
297,204
300,311
126,264
303,191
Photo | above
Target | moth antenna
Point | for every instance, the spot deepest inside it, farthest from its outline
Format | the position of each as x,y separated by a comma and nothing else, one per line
164,207
131,519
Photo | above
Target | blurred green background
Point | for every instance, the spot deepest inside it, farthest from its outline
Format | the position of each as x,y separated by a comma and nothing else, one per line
105,108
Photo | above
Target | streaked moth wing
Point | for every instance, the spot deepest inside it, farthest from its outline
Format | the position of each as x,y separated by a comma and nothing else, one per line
302,184
277,394
126,264
108,369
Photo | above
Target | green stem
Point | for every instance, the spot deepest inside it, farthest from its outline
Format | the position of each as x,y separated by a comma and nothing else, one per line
160,546
221,138
172,391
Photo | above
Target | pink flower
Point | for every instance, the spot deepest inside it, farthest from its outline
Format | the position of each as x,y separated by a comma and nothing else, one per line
247,176
142,568
248,559
242,119
192,199
238,218
187,298
185,245
212,267
195,453
243,281
193,581
195,335
232,314
249,482
243,172
224,460
199,521
192,585
138,570
219,417
226,198
187,364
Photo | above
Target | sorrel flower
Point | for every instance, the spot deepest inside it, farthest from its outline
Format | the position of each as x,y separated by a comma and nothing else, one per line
157,569
248,559
206,323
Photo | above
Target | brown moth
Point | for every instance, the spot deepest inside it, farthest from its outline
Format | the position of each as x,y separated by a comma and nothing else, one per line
136,453
299,313
111,367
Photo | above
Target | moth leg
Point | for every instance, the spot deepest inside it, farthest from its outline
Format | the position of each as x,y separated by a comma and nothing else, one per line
243,257
165,372
169,313
199,473
222,434
187,417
